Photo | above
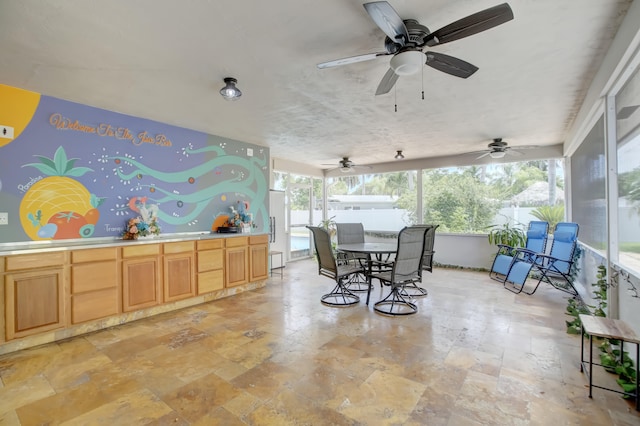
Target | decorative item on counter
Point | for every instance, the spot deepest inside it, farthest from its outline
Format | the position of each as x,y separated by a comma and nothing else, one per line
144,225
240,220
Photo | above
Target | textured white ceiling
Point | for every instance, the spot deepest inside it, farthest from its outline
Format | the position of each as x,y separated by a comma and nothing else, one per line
165,60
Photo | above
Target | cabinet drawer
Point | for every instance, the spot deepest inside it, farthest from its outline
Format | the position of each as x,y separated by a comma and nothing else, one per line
36,260
93,255
179,247
94,305
94,276
237,242
210,260
211,244
140,250
259,239
210,281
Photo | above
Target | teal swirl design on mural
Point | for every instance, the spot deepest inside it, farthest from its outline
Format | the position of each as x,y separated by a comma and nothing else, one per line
250,182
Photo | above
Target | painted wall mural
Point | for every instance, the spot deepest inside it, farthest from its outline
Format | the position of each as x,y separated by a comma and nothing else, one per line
72,171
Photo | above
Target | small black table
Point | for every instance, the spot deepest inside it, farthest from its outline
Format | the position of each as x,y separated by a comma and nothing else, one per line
376,249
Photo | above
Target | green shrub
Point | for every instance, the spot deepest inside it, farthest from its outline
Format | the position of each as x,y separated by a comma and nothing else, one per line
551,214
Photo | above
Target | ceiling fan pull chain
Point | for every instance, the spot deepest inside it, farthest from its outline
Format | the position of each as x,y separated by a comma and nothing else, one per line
422,69
395,97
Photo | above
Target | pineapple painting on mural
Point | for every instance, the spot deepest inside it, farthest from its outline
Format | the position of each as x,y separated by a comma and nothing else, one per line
58,206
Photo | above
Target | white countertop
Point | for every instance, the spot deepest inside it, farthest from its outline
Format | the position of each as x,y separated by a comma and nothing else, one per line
30,247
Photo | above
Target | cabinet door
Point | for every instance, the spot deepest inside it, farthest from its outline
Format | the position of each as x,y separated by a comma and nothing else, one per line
34,302
179,277
140,283
237,266
259,261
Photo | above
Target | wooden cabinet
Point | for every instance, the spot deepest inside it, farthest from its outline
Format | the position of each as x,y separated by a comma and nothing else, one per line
141,277
178,272
34,293
210,265
90,287
94,284
237,261
258,257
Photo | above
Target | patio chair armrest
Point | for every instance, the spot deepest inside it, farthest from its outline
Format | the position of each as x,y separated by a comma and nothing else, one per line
504,246
525,254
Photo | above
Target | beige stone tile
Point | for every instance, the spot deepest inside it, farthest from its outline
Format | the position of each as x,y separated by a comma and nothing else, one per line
382,399
197,399
68,372
18,394
24,365
100,388
242,405
139,407
9,418
475,360
297,409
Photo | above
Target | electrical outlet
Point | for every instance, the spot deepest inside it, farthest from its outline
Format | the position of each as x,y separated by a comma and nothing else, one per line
4,218
6,132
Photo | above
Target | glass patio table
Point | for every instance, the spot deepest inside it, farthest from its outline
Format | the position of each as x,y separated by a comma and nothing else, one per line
379,250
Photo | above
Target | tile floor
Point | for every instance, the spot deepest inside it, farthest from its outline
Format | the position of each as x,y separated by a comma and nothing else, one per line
475,354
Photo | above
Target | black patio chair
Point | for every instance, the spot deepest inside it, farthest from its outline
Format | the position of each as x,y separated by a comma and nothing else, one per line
405,269
329,267
353,233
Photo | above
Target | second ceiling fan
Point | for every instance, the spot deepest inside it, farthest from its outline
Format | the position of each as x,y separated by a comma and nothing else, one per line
407,38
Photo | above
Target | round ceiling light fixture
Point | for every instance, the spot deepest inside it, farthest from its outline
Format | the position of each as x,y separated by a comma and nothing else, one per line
399,155
497,154
407,62
230,92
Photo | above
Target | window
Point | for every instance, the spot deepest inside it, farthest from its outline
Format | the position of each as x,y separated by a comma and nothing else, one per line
628,148
588,188
472,199
383,202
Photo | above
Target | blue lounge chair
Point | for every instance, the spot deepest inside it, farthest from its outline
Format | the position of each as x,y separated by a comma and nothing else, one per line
536,242
553,268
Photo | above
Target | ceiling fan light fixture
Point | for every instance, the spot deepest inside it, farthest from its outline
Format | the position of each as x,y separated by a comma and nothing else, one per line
399,155
230,92
345,169
497,154
407,62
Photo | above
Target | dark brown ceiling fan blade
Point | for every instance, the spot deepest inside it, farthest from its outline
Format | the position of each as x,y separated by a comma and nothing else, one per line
450,65
472,24
388,20
387,82
351,60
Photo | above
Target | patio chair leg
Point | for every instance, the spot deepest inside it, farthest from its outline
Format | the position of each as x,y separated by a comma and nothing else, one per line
413,290
513,288
340,296
392,300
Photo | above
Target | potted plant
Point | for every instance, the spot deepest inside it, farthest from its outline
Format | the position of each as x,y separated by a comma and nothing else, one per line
507,235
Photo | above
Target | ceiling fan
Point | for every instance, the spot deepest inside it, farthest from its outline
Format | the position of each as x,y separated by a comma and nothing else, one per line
499,148
406,39
345,165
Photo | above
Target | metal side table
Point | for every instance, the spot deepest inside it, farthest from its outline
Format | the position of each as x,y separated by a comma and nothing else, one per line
610,329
